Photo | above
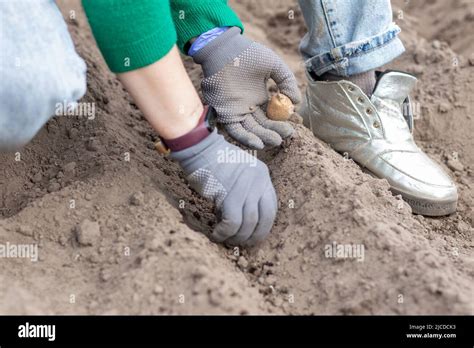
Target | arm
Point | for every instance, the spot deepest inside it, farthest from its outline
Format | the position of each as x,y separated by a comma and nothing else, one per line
131,34
150,88
142,35
140,53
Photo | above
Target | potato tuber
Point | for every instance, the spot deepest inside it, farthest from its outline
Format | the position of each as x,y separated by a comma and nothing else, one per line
280,107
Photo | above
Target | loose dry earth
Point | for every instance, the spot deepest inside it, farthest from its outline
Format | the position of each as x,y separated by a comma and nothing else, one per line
117,225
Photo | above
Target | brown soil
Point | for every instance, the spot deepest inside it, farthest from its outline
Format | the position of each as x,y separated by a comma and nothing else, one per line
117,225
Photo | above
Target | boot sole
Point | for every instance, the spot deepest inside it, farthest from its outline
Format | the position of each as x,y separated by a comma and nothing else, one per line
428,207
422,206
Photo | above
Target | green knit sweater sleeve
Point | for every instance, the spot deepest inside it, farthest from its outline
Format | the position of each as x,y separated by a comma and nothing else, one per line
131,34
194,17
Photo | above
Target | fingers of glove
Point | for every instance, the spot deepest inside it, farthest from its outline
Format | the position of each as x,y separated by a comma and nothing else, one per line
231,211
268,136
230,222
249,221
267,210
239,133
282,128
285,80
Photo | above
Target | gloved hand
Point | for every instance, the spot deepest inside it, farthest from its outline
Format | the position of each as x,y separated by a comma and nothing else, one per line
236,70
237,182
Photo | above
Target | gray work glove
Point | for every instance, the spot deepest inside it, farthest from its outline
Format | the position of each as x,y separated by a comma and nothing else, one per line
237,182
236,71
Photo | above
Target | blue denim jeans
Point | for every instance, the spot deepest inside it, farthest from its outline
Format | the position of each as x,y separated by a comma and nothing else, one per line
39,69
348,37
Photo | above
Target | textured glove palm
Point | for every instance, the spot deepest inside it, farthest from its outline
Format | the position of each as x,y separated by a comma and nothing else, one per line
236,71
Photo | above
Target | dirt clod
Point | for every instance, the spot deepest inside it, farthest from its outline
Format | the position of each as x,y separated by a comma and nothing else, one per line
137,199
455,165
93,145
242,262
88,233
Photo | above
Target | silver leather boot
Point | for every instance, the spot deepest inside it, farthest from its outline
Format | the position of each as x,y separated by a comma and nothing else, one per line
377,134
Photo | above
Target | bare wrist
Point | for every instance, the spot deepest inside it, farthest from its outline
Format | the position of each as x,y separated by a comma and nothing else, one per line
182,124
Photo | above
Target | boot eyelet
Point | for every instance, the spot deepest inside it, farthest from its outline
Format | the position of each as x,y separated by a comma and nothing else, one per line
376,124
360,100
350,88
368,111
